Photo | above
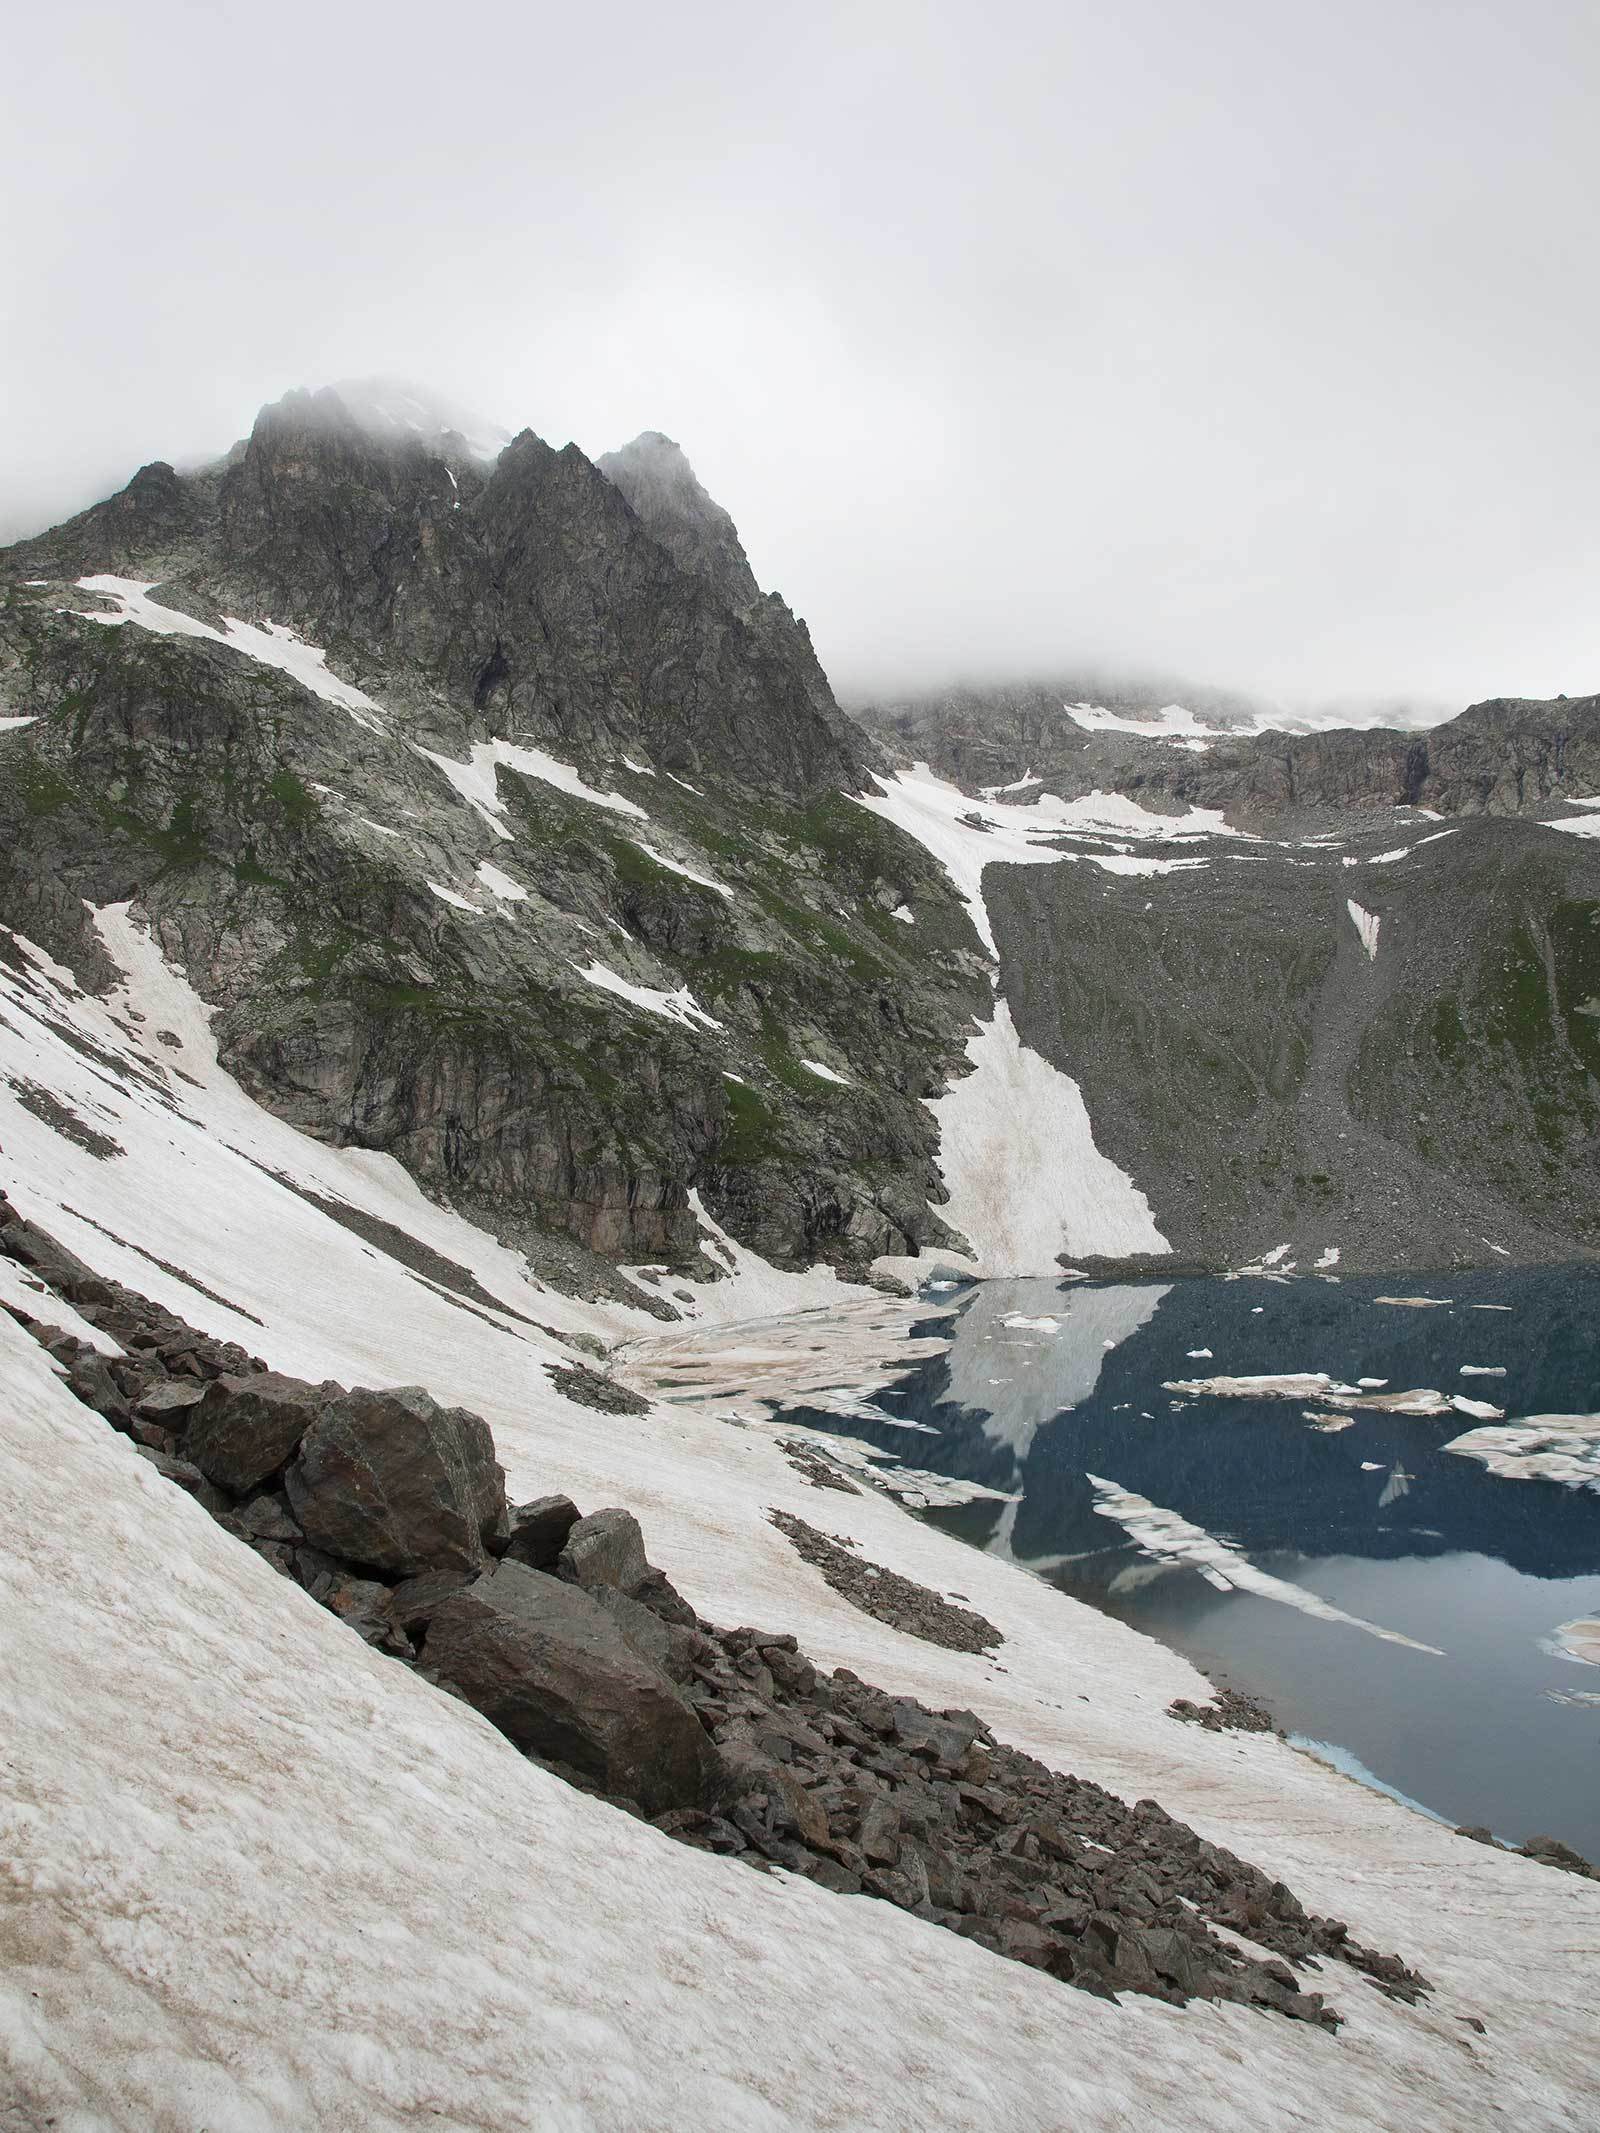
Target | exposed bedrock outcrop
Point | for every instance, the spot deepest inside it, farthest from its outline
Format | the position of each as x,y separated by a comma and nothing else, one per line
1265,1080
1505,756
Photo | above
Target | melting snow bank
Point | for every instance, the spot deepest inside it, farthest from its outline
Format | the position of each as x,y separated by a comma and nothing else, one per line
680,1006
1168,1538
1563,1448
964,835
474,780
272,645
1366,924
1025,1179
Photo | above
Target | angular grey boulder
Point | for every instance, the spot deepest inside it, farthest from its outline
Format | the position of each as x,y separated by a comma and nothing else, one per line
606,1548
395,1482
538,1531
544,1662
244,1428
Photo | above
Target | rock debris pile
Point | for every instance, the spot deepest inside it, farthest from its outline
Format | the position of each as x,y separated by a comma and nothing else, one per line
390,1510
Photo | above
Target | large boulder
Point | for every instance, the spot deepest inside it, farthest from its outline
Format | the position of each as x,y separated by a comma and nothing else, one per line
395,1482
244,1428
605,1549
543,1661
538,1531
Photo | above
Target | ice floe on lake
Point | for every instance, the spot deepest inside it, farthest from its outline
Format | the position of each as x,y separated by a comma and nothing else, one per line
1562,1448
1170,1538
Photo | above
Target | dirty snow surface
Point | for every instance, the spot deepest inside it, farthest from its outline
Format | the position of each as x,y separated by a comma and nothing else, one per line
258,1879
1026,1180
1016,1144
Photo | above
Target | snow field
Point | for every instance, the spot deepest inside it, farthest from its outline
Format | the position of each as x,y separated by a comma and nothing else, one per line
259,1877
1017,1153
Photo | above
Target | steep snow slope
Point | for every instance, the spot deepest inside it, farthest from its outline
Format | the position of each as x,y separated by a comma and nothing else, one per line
260,1878
1016,1143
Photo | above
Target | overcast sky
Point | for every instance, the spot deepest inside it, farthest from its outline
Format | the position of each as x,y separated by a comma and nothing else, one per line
1254,341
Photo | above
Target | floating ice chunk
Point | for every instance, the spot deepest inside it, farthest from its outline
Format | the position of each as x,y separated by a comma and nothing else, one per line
1581,1640
824,1073
501,885
1198,1355
1563,1448
1485,1410
1032,1325
1165,1534
1483,1370
1424,1303
680,1006
1366,924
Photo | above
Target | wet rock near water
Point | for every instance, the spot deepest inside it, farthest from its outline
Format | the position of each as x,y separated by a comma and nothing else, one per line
885,1594
1227,1712
1548,1851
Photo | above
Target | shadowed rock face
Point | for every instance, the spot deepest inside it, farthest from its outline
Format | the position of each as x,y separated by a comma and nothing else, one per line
616,1017
293,858
1508,756
670,504
1265,1081
547,1664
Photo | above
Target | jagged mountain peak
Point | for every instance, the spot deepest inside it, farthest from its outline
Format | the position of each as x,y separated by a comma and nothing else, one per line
395,411
654,474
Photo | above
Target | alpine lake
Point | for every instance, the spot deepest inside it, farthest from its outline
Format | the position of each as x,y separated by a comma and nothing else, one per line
1428,1624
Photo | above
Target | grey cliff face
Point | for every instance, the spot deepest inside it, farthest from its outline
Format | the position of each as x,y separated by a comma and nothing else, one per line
299,860
569,906
1508,756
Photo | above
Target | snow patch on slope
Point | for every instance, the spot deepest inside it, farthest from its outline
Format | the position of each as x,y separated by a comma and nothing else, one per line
272,644
259,1877
1025,1178
1366,924
475,780
680,1006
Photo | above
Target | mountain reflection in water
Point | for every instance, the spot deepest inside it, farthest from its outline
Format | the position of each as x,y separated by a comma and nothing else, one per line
1362,1516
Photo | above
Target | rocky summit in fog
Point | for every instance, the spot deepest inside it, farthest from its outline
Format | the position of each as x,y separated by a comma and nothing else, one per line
510,829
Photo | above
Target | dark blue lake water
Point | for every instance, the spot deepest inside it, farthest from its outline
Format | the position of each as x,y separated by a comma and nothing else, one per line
1374,1520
